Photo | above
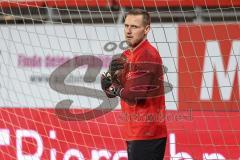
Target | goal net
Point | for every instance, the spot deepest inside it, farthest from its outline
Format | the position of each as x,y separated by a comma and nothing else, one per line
53,51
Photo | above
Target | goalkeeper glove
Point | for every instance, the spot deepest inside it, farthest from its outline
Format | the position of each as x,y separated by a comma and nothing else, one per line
111,89
106,81
117,64
115,90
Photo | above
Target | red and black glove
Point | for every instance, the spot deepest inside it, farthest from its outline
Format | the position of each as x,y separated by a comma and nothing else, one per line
117,69
112,80
106,81
115,90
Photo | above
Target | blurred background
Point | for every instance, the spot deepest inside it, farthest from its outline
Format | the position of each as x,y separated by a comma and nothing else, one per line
198,40
112,11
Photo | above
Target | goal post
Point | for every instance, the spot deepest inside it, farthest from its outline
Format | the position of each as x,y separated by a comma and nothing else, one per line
52,53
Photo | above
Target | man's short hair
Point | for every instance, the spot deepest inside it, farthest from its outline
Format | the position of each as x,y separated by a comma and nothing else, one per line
145,14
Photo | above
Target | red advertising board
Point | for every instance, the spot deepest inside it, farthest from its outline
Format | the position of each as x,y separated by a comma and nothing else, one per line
40,134
54,3
123,3
208,67
178,3
22,4
76,3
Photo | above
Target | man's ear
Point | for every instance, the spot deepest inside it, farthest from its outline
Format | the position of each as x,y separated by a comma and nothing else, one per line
147,29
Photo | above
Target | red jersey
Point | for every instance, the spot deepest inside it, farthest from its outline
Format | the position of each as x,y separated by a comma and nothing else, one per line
144,119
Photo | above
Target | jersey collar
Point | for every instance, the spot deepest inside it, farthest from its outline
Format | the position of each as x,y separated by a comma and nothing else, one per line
142,43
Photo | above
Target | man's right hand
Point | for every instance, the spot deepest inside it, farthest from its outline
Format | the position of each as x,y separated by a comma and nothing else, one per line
106,81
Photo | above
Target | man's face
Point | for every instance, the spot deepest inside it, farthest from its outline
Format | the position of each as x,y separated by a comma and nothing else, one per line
135,30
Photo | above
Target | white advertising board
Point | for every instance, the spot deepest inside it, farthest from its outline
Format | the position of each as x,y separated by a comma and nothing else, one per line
30,53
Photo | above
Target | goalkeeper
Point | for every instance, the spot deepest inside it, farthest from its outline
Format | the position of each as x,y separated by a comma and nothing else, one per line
137,78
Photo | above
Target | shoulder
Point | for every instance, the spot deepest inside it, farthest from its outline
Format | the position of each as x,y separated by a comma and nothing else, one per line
152,49
149,54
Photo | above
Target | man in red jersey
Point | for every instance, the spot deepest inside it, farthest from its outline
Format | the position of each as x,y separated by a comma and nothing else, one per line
139,84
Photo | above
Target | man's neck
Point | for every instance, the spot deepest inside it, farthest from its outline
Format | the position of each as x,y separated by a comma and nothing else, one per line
134,48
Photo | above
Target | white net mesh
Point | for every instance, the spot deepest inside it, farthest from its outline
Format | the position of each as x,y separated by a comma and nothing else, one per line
199,42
